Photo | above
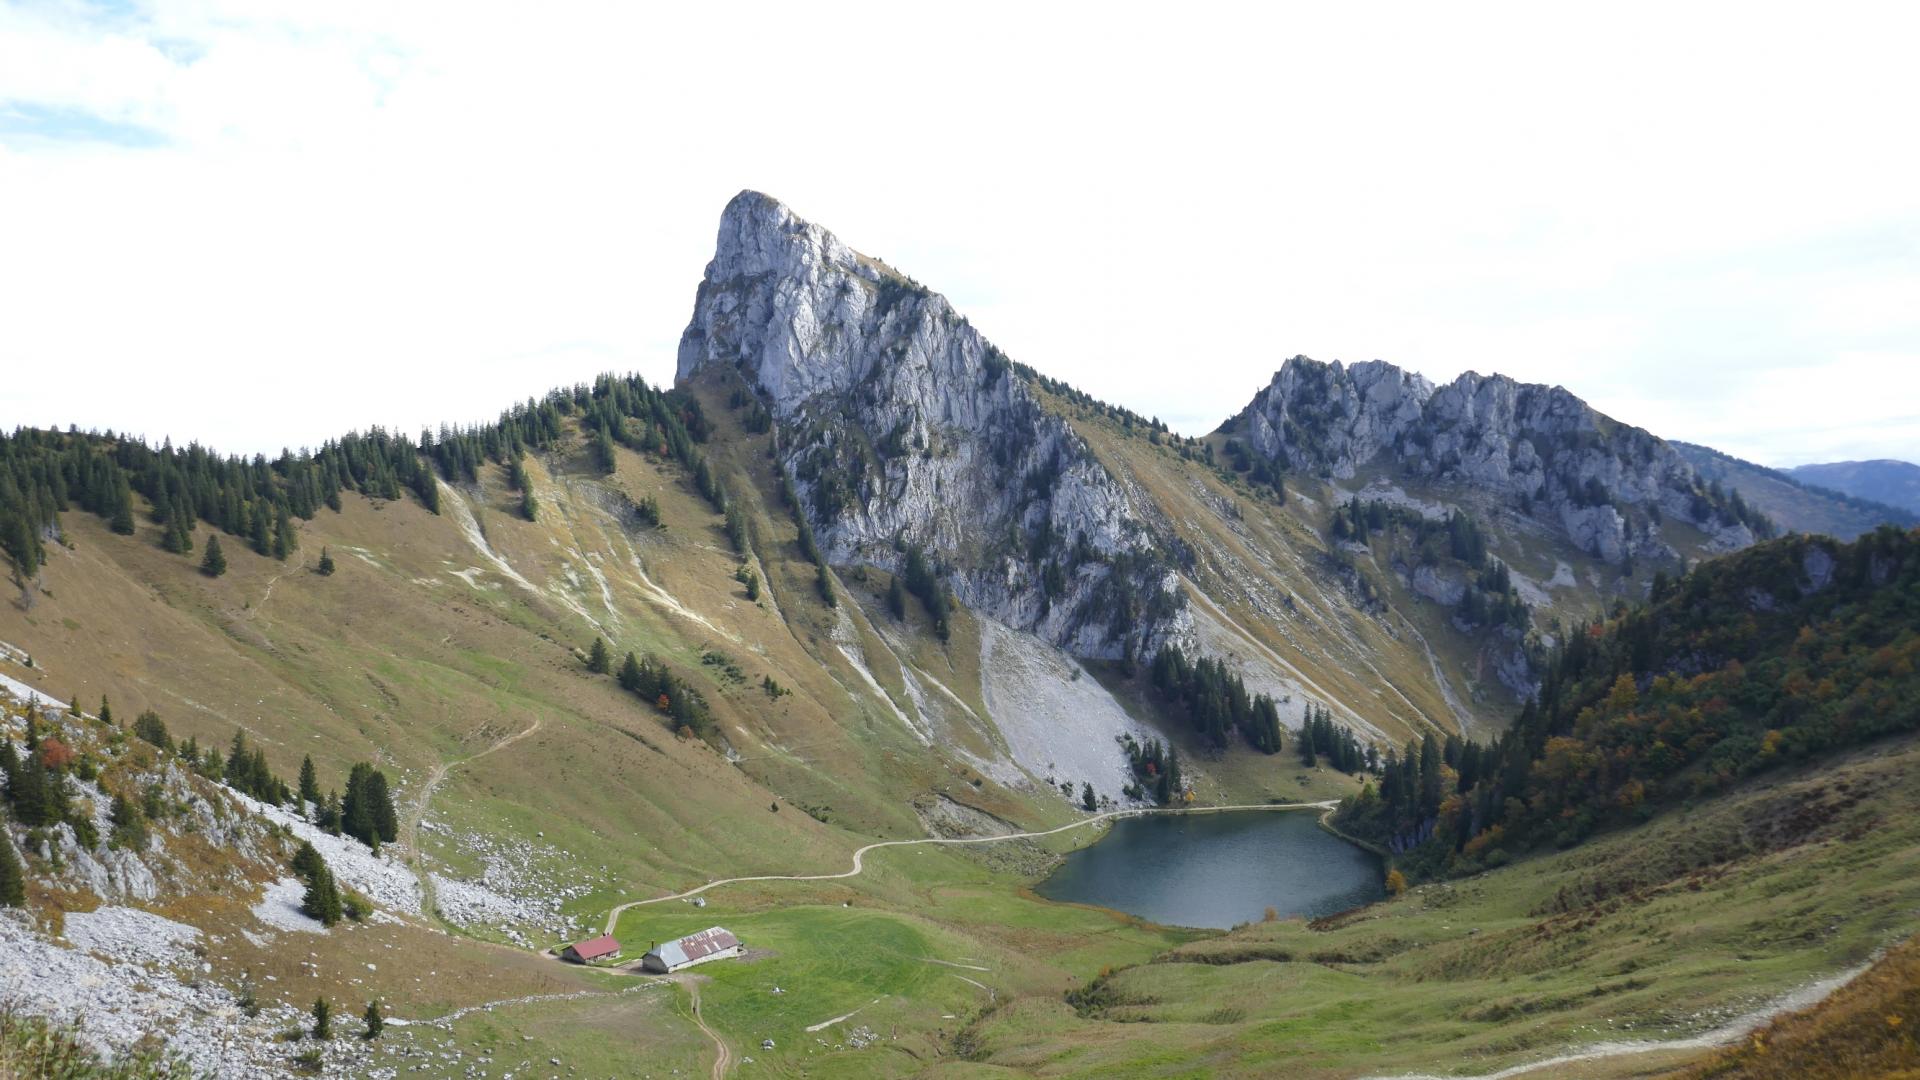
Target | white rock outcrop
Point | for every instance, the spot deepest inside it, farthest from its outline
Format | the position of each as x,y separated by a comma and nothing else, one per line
900,424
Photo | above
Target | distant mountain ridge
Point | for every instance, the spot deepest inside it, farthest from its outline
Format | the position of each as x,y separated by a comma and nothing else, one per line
1796,503
1608,487
1895,483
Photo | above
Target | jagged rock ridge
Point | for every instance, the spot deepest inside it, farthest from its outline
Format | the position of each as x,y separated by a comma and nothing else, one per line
901,425
1607,486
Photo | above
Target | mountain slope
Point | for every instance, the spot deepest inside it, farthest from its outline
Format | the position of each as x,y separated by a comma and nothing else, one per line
880,583
1895,483
1796,503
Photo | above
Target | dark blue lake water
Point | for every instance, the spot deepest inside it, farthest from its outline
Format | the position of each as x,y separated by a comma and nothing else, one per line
1218,870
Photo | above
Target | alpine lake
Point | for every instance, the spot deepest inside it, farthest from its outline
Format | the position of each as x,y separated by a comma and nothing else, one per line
1218,870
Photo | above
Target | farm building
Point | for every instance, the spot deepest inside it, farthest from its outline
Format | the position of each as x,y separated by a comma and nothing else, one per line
712,944
584,952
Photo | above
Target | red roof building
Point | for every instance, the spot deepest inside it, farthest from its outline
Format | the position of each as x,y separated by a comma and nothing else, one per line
585,952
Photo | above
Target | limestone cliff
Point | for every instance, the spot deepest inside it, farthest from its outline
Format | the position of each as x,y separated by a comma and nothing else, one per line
901,425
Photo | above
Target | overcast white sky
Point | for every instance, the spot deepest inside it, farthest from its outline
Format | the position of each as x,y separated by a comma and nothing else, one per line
261,223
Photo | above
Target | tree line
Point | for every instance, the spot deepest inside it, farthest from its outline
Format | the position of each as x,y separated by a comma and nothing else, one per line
1214,700
650,680
47,472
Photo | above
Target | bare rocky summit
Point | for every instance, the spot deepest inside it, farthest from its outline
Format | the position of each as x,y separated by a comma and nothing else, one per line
1607,487
901,425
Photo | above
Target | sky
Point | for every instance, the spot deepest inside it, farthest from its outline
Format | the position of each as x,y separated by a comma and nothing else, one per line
261,224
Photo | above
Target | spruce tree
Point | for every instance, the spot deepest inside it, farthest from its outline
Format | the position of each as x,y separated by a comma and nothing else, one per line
602,451
375,1022
151,728
13,874
386,822
309,784
284,540
326,563
31,790
129,825
322,1019
215,562
262,531
322,898
239,762
630,674
106,711
599,660
332,816
357,810
306,860
122,522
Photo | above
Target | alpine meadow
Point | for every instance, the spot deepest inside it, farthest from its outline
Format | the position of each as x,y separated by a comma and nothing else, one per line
869,703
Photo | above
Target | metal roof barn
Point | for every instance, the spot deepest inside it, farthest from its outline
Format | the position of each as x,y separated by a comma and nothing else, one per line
714,943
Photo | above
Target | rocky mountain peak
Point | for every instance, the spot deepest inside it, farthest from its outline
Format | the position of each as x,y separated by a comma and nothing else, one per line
1607,486
901,426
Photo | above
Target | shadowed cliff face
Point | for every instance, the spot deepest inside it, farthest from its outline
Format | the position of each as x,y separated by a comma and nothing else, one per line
1607,487
900,425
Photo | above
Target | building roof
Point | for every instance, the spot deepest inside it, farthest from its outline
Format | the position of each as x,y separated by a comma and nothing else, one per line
604,945
696,946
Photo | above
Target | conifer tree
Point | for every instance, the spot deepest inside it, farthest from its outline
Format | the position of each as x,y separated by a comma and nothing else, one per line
356,812
321,901
331,816
13,874
283,536
176,536
386,823
599,660
603,456
306,860
309,784
215,562
529,506
239,761
630,674
122,522
129,824
32,791
325,567
375,1022
262,531
150,727
322,1019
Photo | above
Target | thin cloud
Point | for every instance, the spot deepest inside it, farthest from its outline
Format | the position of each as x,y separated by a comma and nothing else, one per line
360,213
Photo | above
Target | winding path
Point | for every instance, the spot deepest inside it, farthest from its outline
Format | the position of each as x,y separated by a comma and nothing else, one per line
723,1055
419,809
859,855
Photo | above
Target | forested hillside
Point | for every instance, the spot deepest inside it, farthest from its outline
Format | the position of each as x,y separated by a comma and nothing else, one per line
1773,656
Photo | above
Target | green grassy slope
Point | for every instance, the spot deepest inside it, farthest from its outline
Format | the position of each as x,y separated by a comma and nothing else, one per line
1655,932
